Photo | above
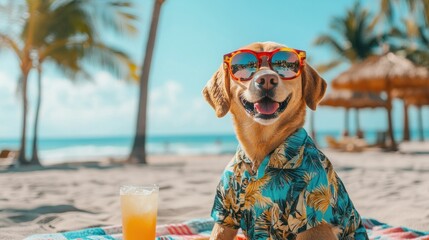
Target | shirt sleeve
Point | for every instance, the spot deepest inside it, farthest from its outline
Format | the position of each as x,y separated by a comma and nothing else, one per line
348,218
225,209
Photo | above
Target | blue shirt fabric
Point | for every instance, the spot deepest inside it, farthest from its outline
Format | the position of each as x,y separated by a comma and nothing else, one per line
294,189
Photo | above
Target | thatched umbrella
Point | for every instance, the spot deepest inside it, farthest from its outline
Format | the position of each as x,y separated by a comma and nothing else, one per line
417,97
383,74
353,99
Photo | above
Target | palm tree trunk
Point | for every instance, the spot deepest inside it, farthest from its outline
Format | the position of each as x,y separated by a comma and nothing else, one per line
138,152
420,123
406,133
359,133
35,156
22,149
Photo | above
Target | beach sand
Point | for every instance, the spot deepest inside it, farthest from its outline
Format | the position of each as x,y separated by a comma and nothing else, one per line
391,187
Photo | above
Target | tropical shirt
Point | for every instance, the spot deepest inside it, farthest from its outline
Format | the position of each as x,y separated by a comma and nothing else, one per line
294,189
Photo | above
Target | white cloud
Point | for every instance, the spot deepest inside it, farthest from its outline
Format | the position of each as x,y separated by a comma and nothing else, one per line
10,107
164,99
174,110
104,107
7,90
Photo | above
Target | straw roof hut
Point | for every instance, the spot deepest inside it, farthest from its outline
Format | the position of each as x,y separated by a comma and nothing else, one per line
353,99
418,102
413,93
383,74
379,73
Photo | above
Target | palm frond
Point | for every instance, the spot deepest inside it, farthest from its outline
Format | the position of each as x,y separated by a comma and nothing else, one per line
278,157
422,35
117,15
71,19
332,176
353,37
283,178
253,194
269,225
374,22
426,12
111,59
320,198
77,54
263,223
330,41
386,9
10,43
411,27
308,177
322,68
69,63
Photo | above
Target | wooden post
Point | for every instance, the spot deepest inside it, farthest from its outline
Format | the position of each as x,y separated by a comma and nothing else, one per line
346,132
406,130
359,133
393,146
420,123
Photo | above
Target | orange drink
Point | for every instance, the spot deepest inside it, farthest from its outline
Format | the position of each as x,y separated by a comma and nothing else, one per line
139,206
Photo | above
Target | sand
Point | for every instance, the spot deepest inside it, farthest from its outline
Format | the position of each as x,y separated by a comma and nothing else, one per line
391,187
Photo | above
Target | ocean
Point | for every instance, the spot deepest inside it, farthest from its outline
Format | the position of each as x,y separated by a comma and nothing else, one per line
57,150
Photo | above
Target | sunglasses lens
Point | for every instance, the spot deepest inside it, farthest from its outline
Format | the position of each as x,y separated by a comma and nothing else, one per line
244,65
286,64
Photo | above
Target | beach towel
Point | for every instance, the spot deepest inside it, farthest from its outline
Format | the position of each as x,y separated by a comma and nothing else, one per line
201,228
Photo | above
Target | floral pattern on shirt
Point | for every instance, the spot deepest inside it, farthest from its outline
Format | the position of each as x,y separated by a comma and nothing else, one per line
294,189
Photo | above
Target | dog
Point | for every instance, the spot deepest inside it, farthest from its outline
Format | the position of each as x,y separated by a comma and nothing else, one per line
278,185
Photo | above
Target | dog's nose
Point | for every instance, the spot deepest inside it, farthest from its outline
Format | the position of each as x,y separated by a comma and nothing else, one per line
267,81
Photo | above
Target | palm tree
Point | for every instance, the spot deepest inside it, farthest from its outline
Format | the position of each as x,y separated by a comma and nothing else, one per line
412,39
353,39
138,152
421,7
69,53
22,49
66,36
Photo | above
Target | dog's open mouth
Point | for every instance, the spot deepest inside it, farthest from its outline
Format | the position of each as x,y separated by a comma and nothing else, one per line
266,108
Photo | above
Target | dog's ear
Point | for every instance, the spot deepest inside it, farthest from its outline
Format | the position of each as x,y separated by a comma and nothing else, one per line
313,87
217,93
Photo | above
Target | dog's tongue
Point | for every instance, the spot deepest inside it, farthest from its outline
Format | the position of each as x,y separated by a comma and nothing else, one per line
266,107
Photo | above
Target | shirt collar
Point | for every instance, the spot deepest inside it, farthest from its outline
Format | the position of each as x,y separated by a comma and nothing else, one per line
290,153
286,156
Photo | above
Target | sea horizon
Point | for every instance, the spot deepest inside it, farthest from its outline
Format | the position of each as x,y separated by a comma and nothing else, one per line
69,149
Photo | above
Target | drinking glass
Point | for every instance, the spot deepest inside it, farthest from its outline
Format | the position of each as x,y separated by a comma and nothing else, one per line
139,206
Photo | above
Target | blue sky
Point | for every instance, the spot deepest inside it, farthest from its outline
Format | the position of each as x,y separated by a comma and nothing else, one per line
192,37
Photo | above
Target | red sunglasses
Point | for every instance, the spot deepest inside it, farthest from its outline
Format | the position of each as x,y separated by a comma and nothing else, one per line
244,63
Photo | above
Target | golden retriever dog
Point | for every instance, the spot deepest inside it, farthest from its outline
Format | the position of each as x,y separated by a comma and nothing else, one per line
278,185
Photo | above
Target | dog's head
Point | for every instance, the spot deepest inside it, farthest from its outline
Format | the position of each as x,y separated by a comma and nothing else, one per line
266,96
